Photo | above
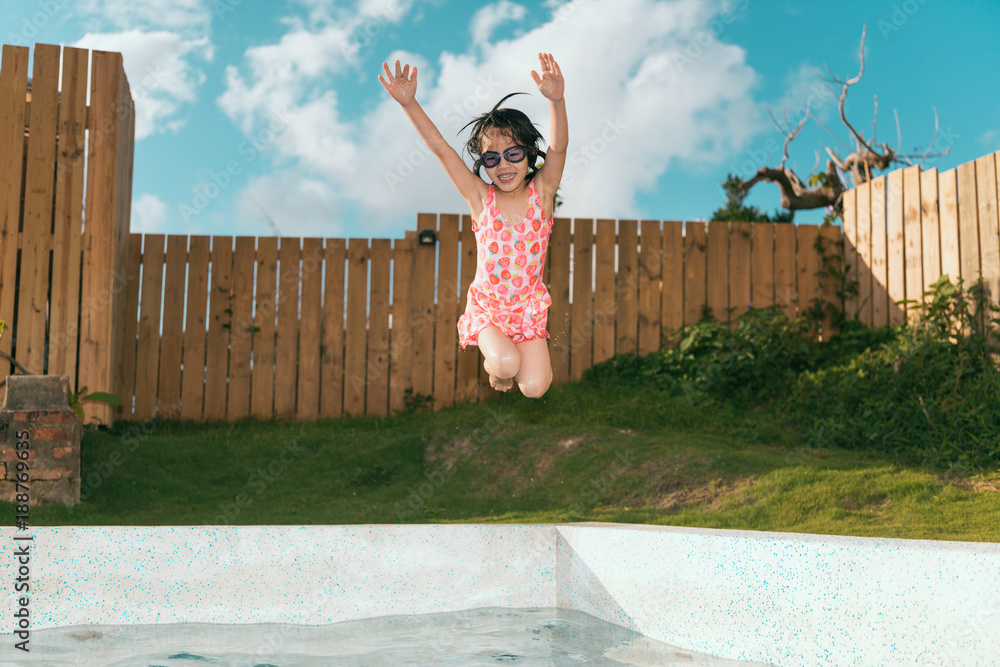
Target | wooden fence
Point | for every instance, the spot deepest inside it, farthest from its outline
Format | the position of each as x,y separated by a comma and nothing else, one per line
309,328
220,328
61,248
906,229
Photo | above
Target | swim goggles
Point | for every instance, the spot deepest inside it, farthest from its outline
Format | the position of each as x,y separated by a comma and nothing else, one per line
513,154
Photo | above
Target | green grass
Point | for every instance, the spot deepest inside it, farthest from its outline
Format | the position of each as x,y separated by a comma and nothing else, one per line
633,455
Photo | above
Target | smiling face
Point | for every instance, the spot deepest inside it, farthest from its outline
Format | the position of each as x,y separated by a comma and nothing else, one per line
507,176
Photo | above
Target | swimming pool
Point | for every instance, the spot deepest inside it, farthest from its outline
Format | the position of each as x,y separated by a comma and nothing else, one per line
528,637
778,598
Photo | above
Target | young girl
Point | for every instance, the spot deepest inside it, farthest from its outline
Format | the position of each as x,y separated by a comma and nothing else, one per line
512,218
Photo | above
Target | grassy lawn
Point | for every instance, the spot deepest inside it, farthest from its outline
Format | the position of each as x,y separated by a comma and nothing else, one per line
579,454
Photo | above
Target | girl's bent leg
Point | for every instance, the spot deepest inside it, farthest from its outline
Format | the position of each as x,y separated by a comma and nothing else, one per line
500,357
535,374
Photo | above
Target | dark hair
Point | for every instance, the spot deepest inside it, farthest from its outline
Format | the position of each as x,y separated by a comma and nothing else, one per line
510,122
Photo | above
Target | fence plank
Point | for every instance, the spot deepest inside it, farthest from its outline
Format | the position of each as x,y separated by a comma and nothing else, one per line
66,246
446,333
168,393
740,295
880,280
762,248
401,334
930,223
220,309
557,270
913,233
672,290
864,275
193,375
422,302
968,222
36,238
125,149
604,291
355,346
695,246
13,92
468,359
808,269
240,331
851,251
833,244
951,262
108,172
996,163
332,371
785,292
377,375
626,290
125,382
581,353
650,273
311,299
896,244
718,270
148,345
264,336
989,243
286,353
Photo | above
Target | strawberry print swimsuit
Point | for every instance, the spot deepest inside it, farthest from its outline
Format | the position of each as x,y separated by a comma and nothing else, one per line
508,291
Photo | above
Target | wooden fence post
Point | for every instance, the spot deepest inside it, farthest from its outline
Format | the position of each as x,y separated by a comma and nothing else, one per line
106,235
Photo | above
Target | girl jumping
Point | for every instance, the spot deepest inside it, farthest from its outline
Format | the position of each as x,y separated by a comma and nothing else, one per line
512,218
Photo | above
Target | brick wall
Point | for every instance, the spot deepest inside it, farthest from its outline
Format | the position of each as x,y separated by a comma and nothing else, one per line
37,412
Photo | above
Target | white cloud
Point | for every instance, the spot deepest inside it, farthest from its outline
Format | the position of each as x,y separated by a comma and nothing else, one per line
156,14
149,215
286,204
279,73
639,97
807,85
163,43
487,19
160,71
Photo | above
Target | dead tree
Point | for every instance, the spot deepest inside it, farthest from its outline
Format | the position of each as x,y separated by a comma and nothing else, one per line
867,158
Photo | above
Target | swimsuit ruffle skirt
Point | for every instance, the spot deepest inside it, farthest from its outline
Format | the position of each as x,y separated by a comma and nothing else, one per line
508,291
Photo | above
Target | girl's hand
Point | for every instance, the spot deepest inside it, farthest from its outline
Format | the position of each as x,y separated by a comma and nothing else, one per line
403,86
550,83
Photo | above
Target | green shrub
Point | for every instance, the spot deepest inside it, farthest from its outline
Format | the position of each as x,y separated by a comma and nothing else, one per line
931,395
927,392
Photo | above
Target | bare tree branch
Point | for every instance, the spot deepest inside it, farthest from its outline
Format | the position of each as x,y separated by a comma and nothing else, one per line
828,131
789,132
862,161
875,122
899,140
843,93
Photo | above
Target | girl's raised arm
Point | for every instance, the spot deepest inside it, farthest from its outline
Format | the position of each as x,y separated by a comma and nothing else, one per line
403,87
551,85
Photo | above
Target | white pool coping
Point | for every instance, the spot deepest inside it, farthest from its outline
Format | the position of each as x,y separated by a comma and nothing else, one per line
782,598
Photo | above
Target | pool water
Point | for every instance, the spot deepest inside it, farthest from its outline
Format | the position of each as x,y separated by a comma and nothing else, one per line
487,636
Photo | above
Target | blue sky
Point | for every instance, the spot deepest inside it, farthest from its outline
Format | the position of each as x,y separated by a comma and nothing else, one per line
263,118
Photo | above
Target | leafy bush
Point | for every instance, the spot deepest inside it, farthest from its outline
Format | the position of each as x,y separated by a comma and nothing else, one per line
931,395
927,392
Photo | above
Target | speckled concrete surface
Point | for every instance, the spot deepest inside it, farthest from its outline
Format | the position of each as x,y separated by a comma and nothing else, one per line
780,598
790,599
284,574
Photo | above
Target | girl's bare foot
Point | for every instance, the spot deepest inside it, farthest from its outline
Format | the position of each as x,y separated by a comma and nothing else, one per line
501,384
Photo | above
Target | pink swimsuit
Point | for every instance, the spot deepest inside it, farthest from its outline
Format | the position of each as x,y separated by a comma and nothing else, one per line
508,291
